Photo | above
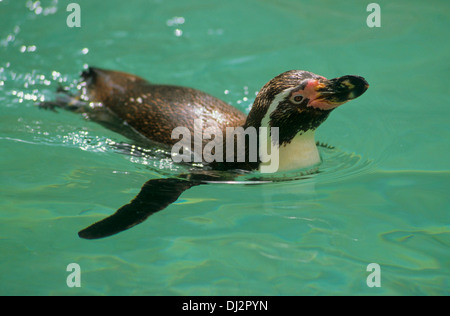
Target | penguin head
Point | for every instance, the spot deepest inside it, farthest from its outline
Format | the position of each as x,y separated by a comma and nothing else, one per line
298,101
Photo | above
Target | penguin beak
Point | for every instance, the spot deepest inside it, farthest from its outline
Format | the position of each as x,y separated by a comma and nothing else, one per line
340,90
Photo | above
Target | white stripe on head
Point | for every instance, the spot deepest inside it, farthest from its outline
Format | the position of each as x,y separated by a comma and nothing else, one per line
273,106
270,158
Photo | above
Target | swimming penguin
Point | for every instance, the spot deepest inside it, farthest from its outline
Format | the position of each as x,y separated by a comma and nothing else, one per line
285,114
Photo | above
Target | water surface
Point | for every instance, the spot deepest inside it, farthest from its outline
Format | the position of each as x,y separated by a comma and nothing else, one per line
381,195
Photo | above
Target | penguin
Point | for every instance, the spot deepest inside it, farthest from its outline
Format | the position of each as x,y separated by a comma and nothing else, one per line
283,119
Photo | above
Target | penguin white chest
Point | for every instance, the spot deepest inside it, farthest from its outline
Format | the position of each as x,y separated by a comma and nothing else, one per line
301,152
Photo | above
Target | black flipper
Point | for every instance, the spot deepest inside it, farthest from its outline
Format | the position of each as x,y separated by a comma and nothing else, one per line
155,195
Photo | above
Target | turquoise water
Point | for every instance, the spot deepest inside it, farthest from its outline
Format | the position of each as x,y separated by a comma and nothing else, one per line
381,196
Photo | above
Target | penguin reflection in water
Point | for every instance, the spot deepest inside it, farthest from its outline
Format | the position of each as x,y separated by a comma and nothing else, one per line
293,104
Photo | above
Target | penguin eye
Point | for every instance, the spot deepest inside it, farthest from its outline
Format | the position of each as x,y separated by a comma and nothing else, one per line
297,99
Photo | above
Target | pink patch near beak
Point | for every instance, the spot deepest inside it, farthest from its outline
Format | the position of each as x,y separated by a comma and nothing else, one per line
311,93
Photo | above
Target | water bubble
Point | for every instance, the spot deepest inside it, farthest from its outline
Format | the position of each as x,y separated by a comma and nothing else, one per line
178,32
176,20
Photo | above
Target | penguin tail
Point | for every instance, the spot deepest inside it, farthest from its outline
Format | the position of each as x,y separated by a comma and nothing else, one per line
67,100
90,74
